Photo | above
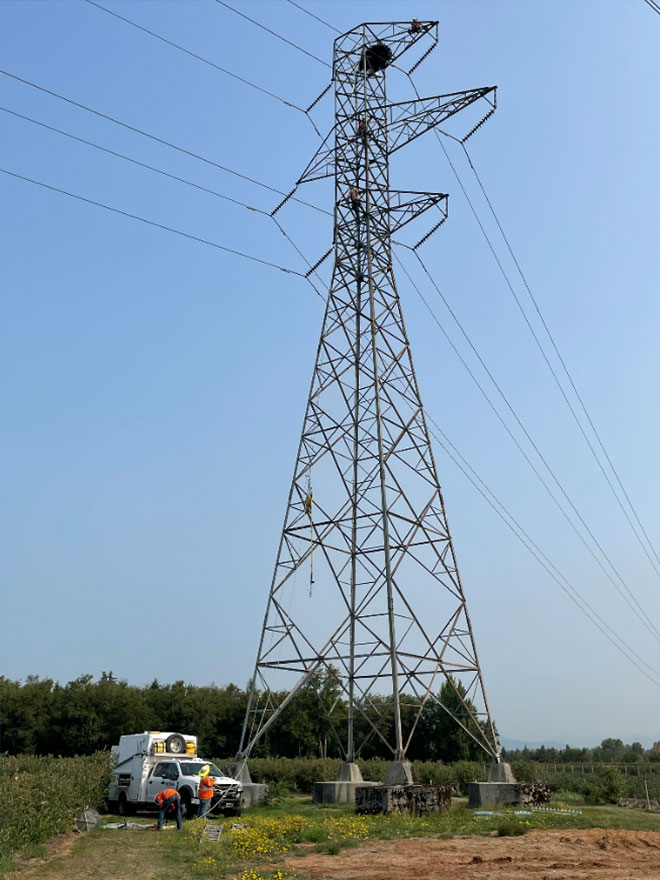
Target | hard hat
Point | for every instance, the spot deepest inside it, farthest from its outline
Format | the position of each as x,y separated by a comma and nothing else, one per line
204,771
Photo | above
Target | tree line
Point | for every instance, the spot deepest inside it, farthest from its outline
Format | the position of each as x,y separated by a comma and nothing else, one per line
610,751
43,717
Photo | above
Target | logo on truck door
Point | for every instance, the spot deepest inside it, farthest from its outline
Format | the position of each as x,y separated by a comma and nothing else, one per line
164,775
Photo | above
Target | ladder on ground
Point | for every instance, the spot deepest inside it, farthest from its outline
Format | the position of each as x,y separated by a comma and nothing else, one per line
212,832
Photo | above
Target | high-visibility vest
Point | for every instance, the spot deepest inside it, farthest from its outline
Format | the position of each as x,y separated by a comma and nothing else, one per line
206,788
162,796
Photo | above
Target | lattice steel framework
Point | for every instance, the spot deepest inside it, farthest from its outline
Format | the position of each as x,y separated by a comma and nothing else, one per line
365,517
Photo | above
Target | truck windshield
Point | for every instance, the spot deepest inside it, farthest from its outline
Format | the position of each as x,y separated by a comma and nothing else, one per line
192,768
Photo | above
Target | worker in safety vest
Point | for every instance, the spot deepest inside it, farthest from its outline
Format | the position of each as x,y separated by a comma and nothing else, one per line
205,792
169,799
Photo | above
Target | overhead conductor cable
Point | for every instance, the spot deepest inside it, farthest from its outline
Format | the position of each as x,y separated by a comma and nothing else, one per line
640,610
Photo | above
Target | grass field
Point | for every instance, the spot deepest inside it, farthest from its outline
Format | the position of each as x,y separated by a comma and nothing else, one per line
40,796
295,825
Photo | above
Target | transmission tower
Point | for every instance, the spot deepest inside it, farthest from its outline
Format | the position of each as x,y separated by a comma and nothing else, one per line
366,588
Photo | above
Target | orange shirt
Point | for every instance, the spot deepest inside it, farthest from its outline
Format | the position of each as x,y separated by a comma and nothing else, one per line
162,796
206,788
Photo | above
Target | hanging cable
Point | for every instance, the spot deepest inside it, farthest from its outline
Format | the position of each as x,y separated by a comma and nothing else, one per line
653,5
172,177
274,34
159,140
188,235
307,12
309,510
635,606
641,615
134,161
212,64
655,564
564,584
648,622
312,269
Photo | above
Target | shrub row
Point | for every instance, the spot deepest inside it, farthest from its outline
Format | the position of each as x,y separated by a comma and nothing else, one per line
40,797
300,774
606,785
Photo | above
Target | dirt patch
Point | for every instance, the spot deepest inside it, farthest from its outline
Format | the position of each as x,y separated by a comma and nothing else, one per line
58,846
593,854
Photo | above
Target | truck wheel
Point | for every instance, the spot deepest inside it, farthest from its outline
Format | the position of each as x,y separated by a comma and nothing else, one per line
187,809
123,806
176,744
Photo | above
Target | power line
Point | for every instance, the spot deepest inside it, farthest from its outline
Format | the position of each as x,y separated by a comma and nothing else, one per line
273,33
575,390
134,161
312,268
187,235
510,521
307,12
159,140
195,55
541,556
175,177
172,177
648,625
654,6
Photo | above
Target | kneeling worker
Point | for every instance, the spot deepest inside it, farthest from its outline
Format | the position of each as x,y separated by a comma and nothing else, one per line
168,799
205,792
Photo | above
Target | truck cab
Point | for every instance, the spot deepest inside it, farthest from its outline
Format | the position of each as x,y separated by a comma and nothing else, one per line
147,763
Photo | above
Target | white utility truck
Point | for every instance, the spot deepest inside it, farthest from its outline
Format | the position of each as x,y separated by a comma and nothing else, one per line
145,763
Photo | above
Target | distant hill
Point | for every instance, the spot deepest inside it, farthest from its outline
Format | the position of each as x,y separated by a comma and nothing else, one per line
578,742
520,744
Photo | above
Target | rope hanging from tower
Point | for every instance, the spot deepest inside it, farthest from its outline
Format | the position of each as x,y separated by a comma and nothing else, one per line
309,510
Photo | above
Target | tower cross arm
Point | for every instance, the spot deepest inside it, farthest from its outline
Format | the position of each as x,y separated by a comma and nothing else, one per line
408,120
404,206
322,163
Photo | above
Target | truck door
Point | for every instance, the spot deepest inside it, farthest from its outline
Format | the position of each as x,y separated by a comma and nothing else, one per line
164,775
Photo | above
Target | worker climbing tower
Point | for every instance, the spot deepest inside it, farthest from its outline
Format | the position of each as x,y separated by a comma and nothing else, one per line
366,593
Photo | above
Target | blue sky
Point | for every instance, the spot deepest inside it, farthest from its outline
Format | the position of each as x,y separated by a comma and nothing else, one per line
154,387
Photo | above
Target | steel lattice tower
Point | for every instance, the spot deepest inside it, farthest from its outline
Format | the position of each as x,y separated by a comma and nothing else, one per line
365,520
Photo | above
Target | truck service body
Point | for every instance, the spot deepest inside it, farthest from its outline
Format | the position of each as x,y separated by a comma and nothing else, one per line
145,763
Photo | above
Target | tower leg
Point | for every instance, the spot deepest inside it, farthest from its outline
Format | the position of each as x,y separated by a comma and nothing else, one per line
342,790
399,773
501,772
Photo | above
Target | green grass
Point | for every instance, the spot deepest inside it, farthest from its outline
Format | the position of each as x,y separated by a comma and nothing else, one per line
295,826
302,805
114,855
616,817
